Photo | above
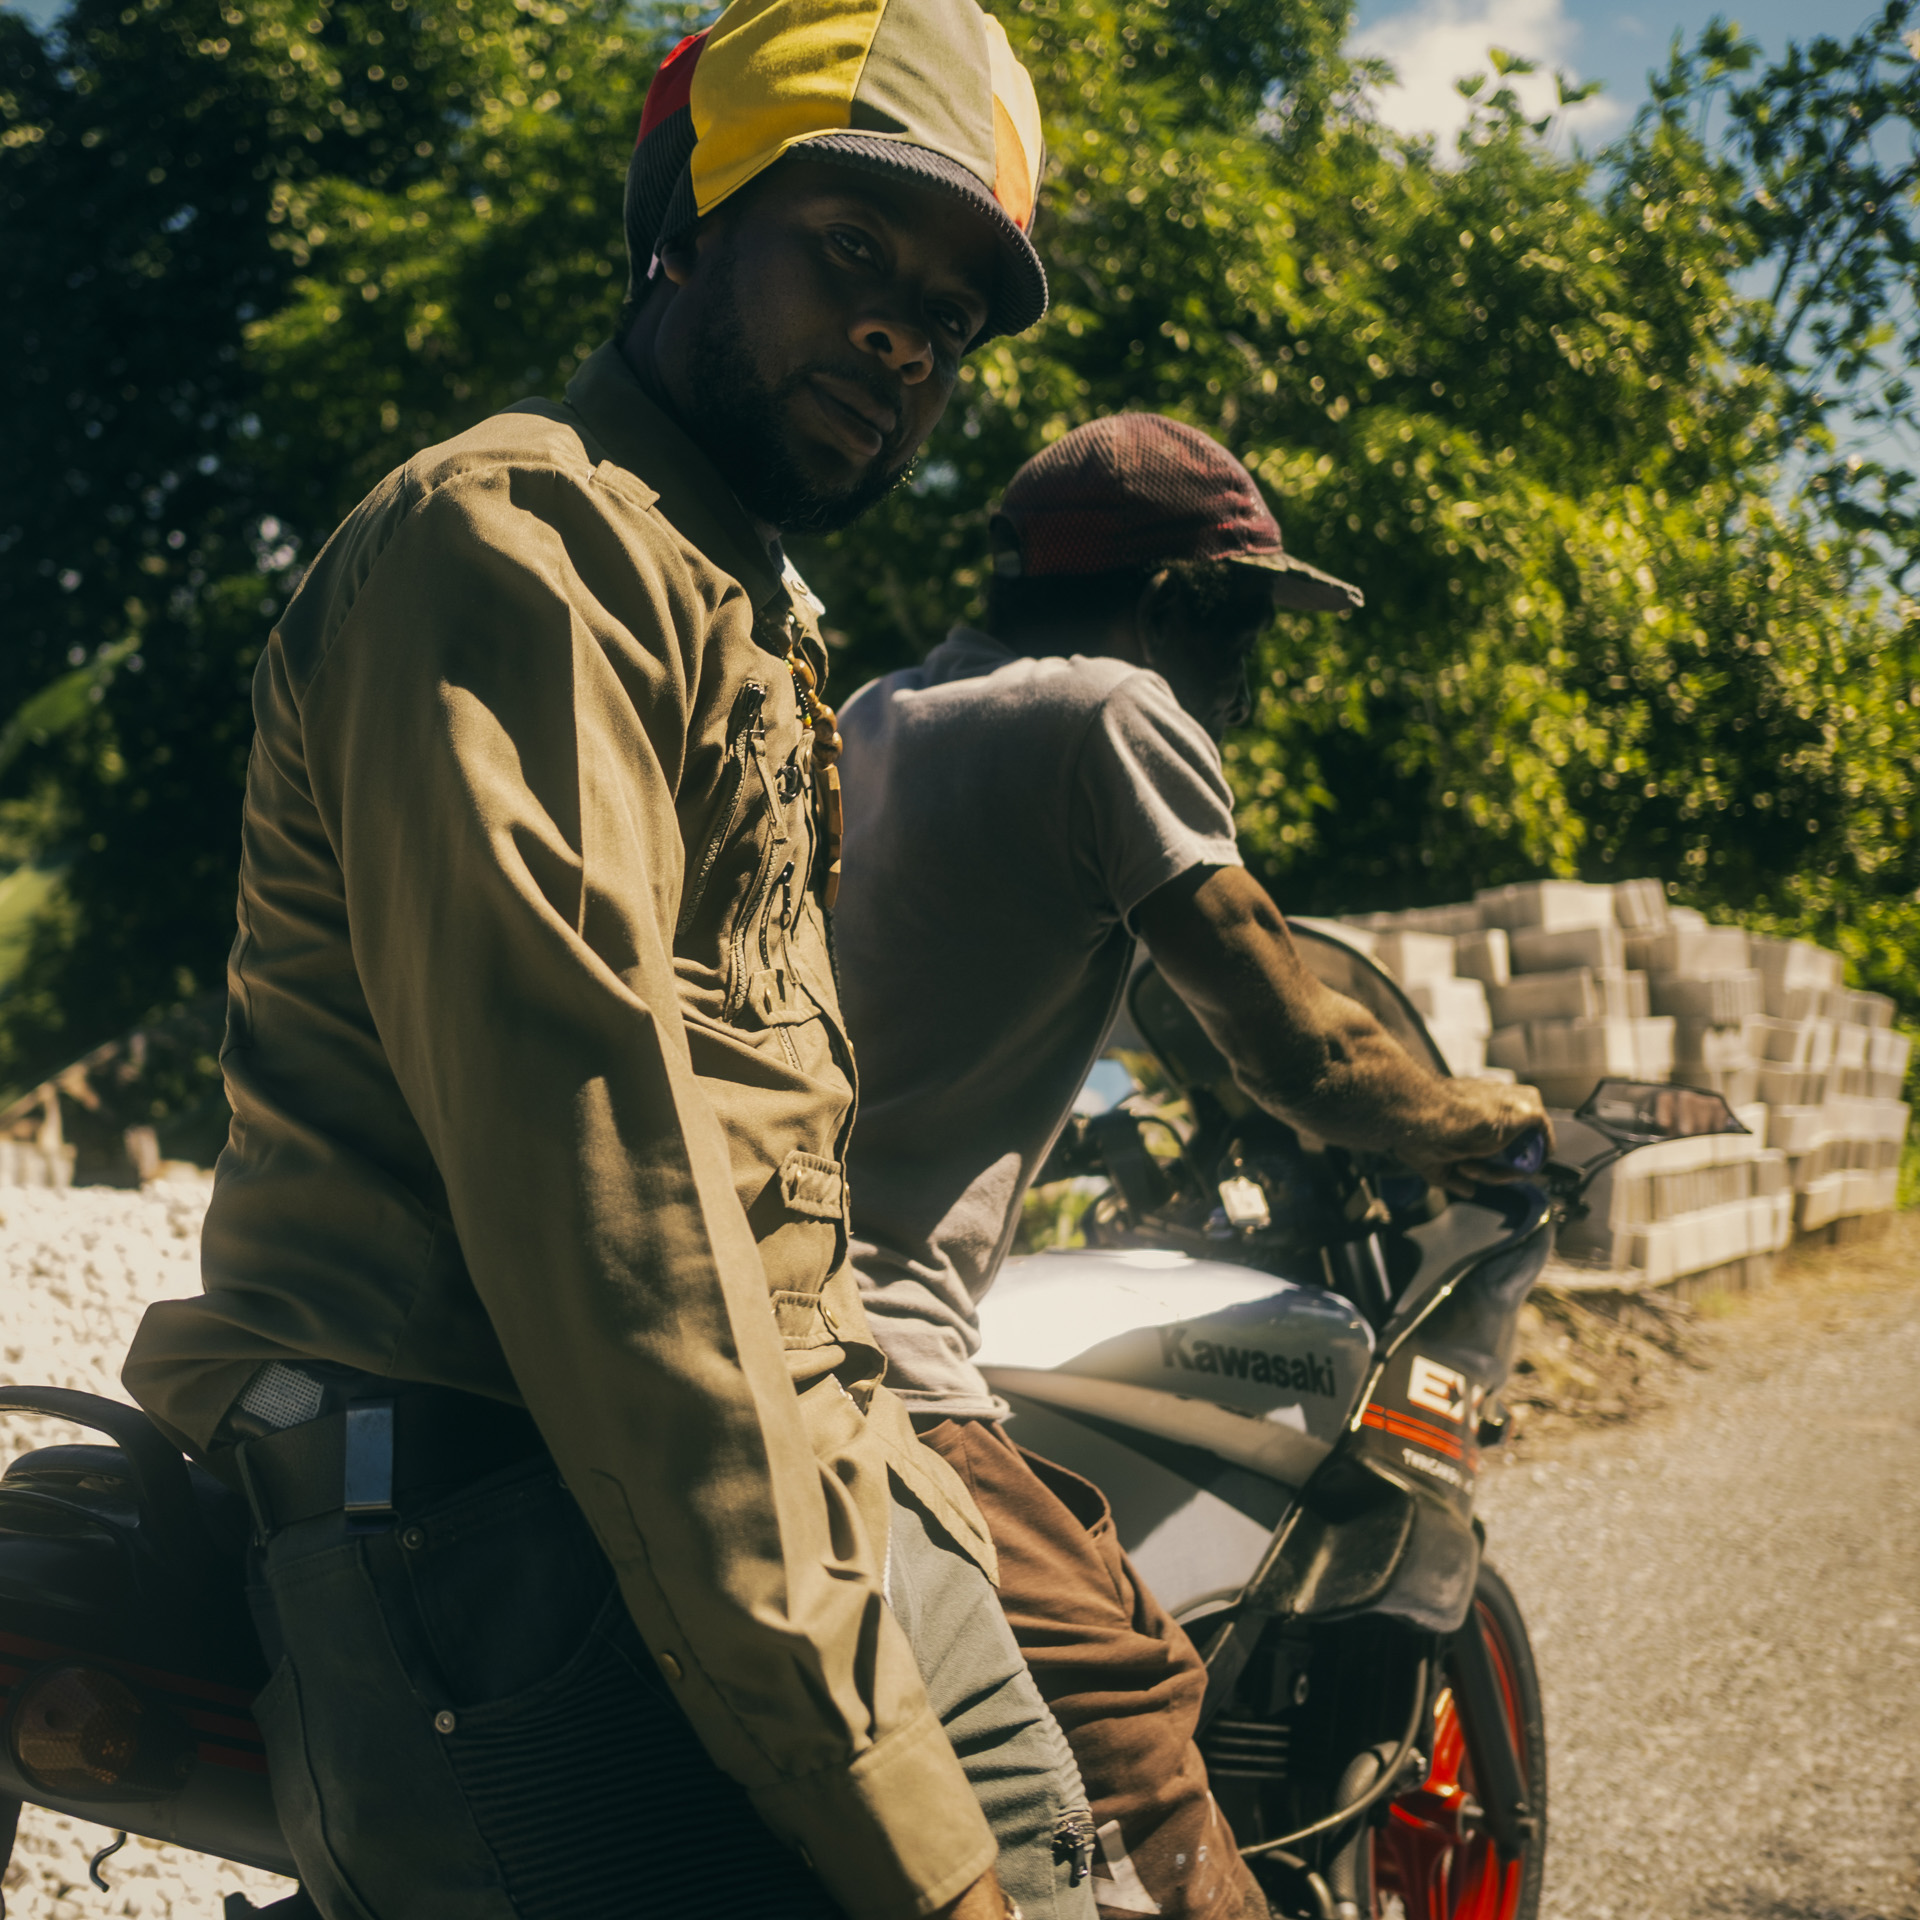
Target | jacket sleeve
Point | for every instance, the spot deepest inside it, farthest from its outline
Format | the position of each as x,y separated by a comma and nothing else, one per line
494,739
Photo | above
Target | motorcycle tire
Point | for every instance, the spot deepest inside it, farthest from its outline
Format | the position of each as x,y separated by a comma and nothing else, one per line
1428,1858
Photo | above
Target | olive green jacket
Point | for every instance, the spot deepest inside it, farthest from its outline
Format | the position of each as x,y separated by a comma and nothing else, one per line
541,1090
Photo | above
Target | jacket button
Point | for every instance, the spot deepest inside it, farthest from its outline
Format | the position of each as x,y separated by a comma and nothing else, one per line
414,1537
670,1666
444,1722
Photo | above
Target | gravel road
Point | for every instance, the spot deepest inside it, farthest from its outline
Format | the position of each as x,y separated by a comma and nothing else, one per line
1724,1594
77,1269
1725,1601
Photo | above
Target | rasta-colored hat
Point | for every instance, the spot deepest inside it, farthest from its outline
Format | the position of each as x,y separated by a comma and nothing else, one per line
1137,490
923,90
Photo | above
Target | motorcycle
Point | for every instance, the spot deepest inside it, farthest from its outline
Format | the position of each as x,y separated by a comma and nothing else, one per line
1280,1360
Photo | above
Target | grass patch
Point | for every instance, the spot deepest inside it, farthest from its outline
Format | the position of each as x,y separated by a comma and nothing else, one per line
1909,1195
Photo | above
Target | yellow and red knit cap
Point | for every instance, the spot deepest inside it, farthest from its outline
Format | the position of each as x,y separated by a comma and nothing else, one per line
924,90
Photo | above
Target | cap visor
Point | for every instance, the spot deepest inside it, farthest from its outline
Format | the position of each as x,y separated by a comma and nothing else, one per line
1021,295
1299,588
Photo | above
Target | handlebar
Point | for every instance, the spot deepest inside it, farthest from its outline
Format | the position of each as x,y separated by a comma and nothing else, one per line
1525,1154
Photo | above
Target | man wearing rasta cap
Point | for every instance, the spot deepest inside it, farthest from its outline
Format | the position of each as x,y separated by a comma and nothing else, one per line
1023,808
592,1562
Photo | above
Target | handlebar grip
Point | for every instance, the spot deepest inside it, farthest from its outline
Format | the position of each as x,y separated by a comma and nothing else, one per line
1525,1154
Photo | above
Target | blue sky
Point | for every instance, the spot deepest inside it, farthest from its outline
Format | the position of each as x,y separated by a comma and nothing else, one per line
1433,42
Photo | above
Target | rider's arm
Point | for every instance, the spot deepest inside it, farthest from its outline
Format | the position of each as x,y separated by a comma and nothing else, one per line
1303,1051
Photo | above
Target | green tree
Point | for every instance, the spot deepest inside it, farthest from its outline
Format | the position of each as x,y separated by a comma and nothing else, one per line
1531,404
1625,612
202,400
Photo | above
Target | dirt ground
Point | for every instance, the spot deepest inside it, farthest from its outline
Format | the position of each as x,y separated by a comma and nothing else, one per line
1718,1575
78,1268
1591,1359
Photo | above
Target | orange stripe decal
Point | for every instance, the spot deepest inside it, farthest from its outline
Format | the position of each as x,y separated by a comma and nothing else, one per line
1402,1428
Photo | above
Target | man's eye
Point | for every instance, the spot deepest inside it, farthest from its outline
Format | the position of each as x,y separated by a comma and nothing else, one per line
955,324
854,243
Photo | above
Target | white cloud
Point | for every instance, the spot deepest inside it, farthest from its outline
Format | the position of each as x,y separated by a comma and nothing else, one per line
1431,46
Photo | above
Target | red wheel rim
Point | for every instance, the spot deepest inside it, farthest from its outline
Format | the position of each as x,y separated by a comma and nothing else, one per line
1431,1860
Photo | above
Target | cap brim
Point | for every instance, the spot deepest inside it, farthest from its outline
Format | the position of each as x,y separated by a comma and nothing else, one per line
1020,298
1299,588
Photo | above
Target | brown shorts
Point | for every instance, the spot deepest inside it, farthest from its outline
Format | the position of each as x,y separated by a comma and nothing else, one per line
1122,1678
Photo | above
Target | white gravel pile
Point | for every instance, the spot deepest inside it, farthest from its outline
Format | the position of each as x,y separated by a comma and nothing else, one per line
77,1269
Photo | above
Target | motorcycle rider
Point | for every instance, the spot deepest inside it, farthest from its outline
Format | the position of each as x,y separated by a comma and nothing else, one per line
527,1328
1023,808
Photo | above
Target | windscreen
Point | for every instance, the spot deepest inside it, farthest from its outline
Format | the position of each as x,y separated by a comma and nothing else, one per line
1168,1026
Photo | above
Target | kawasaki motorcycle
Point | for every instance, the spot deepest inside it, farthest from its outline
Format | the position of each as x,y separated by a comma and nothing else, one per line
1281,1361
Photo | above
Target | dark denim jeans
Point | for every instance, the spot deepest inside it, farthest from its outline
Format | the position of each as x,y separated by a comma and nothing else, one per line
464,1724
463,1721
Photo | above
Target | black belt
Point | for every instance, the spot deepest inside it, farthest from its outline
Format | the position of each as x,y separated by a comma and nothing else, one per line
375,1456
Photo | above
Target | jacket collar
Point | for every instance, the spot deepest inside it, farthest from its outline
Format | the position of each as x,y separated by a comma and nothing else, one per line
645,439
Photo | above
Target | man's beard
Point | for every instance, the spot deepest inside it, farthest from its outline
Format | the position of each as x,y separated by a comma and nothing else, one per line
738,419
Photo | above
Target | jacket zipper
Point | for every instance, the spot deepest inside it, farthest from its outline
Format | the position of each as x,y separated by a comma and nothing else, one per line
740,725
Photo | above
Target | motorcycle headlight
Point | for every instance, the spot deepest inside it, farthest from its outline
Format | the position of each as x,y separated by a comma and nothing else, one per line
84,1733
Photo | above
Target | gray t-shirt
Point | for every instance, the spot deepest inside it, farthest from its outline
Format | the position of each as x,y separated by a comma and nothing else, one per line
1005,816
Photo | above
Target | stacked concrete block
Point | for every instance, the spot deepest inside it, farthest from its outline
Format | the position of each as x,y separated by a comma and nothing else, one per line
31,1163
1572,1013
1553,905
1484,955
1844,1156
1888,1055
1422,960
1554,950
1710,1000
1795,967
1567,1058
1585,983
1457,919
1411,956
1640,906
1684,1206
1847,1194
1696,952
1701,977
1456,1015
1869,1063
1577,993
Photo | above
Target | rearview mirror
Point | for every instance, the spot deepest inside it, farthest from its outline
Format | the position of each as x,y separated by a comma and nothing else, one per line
1639,1110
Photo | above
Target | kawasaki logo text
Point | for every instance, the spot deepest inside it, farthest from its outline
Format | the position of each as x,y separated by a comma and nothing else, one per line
1304,1373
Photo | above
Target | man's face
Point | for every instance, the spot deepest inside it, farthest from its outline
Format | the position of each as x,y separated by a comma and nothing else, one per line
815,333
1204,653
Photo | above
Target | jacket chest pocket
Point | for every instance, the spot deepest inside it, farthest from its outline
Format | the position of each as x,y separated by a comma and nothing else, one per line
746,892
763,985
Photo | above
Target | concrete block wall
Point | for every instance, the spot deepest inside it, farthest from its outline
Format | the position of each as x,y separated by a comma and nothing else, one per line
1560,984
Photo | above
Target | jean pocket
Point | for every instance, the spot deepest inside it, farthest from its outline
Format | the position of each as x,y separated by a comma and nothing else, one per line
595,1777
506,1583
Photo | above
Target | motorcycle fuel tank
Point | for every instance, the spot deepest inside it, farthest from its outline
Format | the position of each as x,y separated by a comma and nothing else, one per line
1197,1395
1291,1355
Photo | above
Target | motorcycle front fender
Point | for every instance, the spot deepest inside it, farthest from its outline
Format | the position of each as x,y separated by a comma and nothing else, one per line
1363,1542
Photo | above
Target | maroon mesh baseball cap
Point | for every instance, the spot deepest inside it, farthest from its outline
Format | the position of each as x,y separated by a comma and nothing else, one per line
1138,490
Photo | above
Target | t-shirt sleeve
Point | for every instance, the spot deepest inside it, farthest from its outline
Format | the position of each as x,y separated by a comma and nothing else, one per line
1153,794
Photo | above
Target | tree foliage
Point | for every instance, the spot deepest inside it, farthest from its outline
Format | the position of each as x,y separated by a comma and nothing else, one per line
1576,426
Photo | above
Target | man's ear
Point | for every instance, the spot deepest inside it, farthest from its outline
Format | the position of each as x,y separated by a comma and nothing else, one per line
678,258
1156,613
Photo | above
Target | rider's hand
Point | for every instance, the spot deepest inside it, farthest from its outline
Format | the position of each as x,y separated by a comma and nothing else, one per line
1476,1120
984,1900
